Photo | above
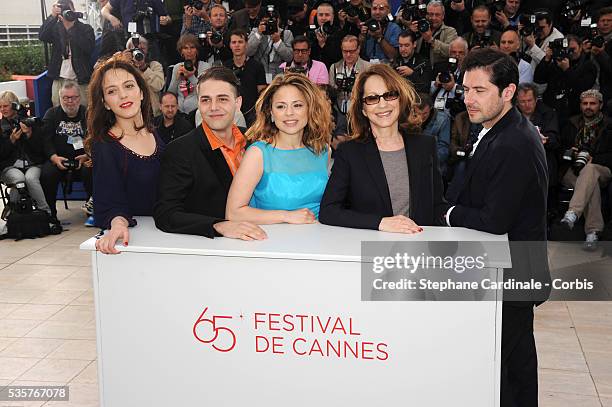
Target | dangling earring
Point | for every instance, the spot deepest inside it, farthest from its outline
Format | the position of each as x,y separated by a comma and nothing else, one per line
272,118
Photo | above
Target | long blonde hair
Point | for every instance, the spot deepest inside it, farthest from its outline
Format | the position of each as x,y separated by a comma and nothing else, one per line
317,133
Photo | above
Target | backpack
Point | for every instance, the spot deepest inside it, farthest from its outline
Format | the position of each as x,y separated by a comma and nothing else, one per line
27,225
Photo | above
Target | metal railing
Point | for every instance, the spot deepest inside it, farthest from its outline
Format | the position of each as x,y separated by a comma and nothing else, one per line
17,34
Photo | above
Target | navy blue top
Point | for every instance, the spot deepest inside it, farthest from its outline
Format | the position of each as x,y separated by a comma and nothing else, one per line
124,182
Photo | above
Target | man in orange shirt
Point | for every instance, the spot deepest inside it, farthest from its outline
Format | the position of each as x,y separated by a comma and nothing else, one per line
197,169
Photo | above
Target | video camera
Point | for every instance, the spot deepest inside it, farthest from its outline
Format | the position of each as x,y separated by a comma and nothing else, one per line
70,15
560,49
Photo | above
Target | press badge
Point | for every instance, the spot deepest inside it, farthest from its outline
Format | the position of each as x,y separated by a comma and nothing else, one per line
77,142
268,78
440,103
374,61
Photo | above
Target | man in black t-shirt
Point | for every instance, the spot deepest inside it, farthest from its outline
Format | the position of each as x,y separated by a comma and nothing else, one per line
171,124
250,72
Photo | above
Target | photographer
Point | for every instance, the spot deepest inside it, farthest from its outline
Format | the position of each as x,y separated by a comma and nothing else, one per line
415,68
196,18
316,71
508,16
545,33
352,15
171,124
546,121
433,43
297,17
437,124
481,35
327,36
147,14
567,72
185,75
447,89
137,50
463,136
343,73
270,44
601,52
587,160
509,44
249,72
215,41
248,18
379,35
72,44
21,154
63,132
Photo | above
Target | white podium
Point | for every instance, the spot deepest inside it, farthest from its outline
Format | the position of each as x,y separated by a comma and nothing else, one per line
190,321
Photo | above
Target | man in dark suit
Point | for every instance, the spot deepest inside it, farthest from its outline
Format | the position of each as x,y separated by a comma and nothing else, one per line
503,190
197,169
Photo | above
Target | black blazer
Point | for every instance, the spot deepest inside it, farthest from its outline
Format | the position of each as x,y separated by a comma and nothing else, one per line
504,191
193,184
357,194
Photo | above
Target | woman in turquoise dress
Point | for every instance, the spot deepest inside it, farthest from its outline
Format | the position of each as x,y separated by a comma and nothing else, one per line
284,172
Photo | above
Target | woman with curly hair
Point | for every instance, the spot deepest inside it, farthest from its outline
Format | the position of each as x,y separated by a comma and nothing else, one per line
125,149
284,172
386,177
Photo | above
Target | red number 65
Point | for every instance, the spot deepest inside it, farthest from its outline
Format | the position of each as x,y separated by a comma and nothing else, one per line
216,330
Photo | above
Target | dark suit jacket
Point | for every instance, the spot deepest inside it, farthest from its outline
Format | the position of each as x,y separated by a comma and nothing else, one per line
193,184
504,191
357,194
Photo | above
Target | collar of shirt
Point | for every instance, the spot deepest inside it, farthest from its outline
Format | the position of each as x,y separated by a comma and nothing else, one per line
232,156
483,132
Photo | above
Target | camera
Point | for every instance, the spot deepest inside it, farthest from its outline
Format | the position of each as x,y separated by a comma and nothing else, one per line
188,65
413,10
70,164
573,7
594,37
216,37
373,25
448,75
70,15
456,104
528,21
423,25
296,69
495,5
354,11
344,82
197,4
143,14
578,158
24,202
560,49
482,40
272,21
8,125
137,53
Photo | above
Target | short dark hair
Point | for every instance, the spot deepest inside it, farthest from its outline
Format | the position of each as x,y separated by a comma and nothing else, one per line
425,100
501,67
252,3
528,87
408,34
544,14
299,39
168,93
220,73
604,11
240,32
482,7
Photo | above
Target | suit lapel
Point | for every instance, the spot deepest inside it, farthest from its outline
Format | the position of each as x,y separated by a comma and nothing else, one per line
216,160
374,164
414,161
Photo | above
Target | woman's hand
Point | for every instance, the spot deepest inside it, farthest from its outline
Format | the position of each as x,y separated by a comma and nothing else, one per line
399,224
240,230
118,230
299,216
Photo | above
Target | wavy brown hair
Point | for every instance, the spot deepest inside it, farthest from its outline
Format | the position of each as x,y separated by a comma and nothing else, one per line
99,119
359,124
318,130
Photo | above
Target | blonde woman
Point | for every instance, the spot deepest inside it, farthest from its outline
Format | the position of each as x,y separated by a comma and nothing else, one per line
284,172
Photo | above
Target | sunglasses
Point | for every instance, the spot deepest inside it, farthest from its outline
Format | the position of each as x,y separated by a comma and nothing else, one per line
374,99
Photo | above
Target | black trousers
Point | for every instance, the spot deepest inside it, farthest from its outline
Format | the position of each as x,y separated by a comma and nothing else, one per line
519,364
51,176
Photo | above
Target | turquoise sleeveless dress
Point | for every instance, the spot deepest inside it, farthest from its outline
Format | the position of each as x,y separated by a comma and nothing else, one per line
291,179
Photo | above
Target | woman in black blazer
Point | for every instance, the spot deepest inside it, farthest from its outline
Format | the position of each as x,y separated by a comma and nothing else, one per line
387,176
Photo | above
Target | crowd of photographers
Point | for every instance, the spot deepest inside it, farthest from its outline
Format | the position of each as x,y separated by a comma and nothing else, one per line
562,49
